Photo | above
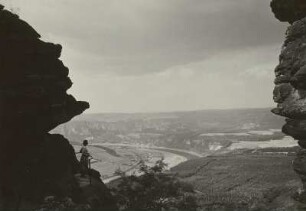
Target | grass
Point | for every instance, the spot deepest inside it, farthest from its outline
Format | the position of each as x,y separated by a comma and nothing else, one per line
242,181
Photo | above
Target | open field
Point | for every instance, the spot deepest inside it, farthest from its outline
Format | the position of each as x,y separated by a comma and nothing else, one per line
284,142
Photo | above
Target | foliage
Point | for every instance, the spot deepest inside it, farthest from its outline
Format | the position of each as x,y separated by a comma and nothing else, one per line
241,182
154,190
52,203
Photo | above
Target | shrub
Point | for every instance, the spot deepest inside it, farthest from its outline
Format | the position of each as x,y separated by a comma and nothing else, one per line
153,190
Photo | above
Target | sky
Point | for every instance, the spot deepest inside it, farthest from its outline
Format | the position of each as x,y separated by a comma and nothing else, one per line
162,55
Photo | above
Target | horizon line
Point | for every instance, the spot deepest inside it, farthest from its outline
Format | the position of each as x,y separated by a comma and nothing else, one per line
178,111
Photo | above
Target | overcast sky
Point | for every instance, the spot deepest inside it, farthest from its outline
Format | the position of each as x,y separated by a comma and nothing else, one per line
162,55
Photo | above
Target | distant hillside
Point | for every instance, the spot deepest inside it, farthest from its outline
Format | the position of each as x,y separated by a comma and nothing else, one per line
199,131
242,182
207,120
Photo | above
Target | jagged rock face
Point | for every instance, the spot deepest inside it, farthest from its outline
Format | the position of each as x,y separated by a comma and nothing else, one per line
33,80
289,10
290,89
33,101
290,81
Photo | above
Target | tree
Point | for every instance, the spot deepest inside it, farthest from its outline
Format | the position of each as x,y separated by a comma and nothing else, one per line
154,190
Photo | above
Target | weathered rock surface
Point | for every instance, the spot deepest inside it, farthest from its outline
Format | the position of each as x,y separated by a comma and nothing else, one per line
289,10
33,101
290,81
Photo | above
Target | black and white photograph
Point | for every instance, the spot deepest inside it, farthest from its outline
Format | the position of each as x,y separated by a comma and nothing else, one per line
152,105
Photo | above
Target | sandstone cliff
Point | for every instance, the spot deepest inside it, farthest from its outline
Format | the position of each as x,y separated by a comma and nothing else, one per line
290,81
33,100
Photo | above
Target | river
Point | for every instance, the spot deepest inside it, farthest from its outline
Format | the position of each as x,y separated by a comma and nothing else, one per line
108,158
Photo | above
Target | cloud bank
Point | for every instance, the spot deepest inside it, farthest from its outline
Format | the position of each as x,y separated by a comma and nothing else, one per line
162,55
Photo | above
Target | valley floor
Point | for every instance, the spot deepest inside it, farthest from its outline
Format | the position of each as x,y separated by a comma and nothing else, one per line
257,178
110,158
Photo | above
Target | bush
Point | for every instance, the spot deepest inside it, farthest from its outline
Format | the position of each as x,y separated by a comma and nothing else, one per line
153,190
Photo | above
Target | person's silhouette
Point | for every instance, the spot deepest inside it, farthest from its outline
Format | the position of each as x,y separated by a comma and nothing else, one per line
85,158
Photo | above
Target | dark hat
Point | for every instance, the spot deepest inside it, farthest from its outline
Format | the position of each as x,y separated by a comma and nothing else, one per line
85,142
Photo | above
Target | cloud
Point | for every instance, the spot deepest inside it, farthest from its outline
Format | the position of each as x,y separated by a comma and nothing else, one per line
241,78
163,55
134,37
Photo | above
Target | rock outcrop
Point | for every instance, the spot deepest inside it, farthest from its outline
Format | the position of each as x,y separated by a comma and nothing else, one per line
290,81
289,10
33,100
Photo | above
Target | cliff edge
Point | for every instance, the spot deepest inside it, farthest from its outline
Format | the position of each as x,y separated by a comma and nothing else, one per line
290,81
34,164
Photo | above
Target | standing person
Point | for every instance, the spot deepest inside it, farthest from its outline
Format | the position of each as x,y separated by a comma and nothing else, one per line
85,158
